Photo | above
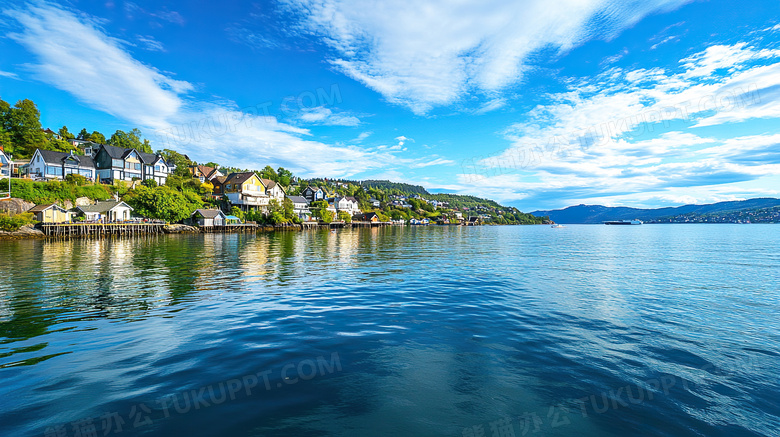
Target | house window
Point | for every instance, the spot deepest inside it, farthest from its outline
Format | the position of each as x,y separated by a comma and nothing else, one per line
116,163
128,165
138,166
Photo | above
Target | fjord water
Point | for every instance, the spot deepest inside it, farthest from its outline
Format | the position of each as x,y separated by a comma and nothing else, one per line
654,330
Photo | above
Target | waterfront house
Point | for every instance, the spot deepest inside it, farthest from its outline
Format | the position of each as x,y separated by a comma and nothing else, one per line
120,164
246,191
48,164
5,164
366,217
273,190
108,211
300,207
347,204
51,213
218,183
208,218
375,203
204,173
313,194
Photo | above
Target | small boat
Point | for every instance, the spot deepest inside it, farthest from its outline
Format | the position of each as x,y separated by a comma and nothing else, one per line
557,226
624,222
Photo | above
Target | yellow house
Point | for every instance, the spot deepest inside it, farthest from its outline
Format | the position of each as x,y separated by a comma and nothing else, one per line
51,213
246,191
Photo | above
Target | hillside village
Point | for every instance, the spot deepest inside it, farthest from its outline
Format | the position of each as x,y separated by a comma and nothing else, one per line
86,178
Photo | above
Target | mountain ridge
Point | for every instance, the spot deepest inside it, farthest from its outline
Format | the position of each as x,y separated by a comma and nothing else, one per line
593,214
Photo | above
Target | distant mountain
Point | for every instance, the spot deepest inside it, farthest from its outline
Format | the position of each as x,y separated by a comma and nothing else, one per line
586,214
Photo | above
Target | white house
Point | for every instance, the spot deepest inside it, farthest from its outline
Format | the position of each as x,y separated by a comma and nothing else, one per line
208,217
108,211
48,164
347,204
300,207
5,165
273,190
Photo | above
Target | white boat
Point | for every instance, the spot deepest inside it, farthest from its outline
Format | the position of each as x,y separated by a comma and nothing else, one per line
557,226
624,222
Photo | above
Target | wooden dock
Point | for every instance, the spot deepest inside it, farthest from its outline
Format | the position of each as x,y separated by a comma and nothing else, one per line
67,230
229,228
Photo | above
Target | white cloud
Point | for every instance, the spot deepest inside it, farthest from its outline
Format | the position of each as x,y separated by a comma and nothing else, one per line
149,43
67,47
362,136
491,105
619,132
427,54
325,116
437,161
8,74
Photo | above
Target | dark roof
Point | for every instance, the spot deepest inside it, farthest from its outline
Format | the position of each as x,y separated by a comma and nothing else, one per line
53,157
208,213
102,207
298,199
351,198
239,178
121,153
220,179
41,208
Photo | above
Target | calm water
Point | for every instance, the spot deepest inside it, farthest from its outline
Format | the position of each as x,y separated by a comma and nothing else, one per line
656,330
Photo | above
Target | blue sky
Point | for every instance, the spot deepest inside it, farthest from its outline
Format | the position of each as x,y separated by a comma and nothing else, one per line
537,104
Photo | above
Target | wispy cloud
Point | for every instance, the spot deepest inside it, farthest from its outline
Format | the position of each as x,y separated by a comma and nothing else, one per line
132,10
118,84
64,42
437,161
149,43
325,116
428,54
8,75
619,133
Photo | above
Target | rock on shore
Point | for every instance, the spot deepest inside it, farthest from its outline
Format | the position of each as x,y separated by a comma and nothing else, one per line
26,231
180,229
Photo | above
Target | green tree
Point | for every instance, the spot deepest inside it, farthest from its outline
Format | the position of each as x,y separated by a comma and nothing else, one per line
22,123
236,211
65,134
162,203
84,135
284,176
181,162
130,140
269,173
97,137
344,216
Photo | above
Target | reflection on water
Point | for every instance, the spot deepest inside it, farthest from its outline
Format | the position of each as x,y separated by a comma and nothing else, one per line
438,331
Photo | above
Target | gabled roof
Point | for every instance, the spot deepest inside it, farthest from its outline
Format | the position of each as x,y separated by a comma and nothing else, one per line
103,207
206,172
41,208
220,179
209,213
121,153
298,199
240,178
52,157
268,183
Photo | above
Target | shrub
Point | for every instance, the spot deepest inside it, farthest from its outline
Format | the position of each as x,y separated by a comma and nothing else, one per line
14,222
76,179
